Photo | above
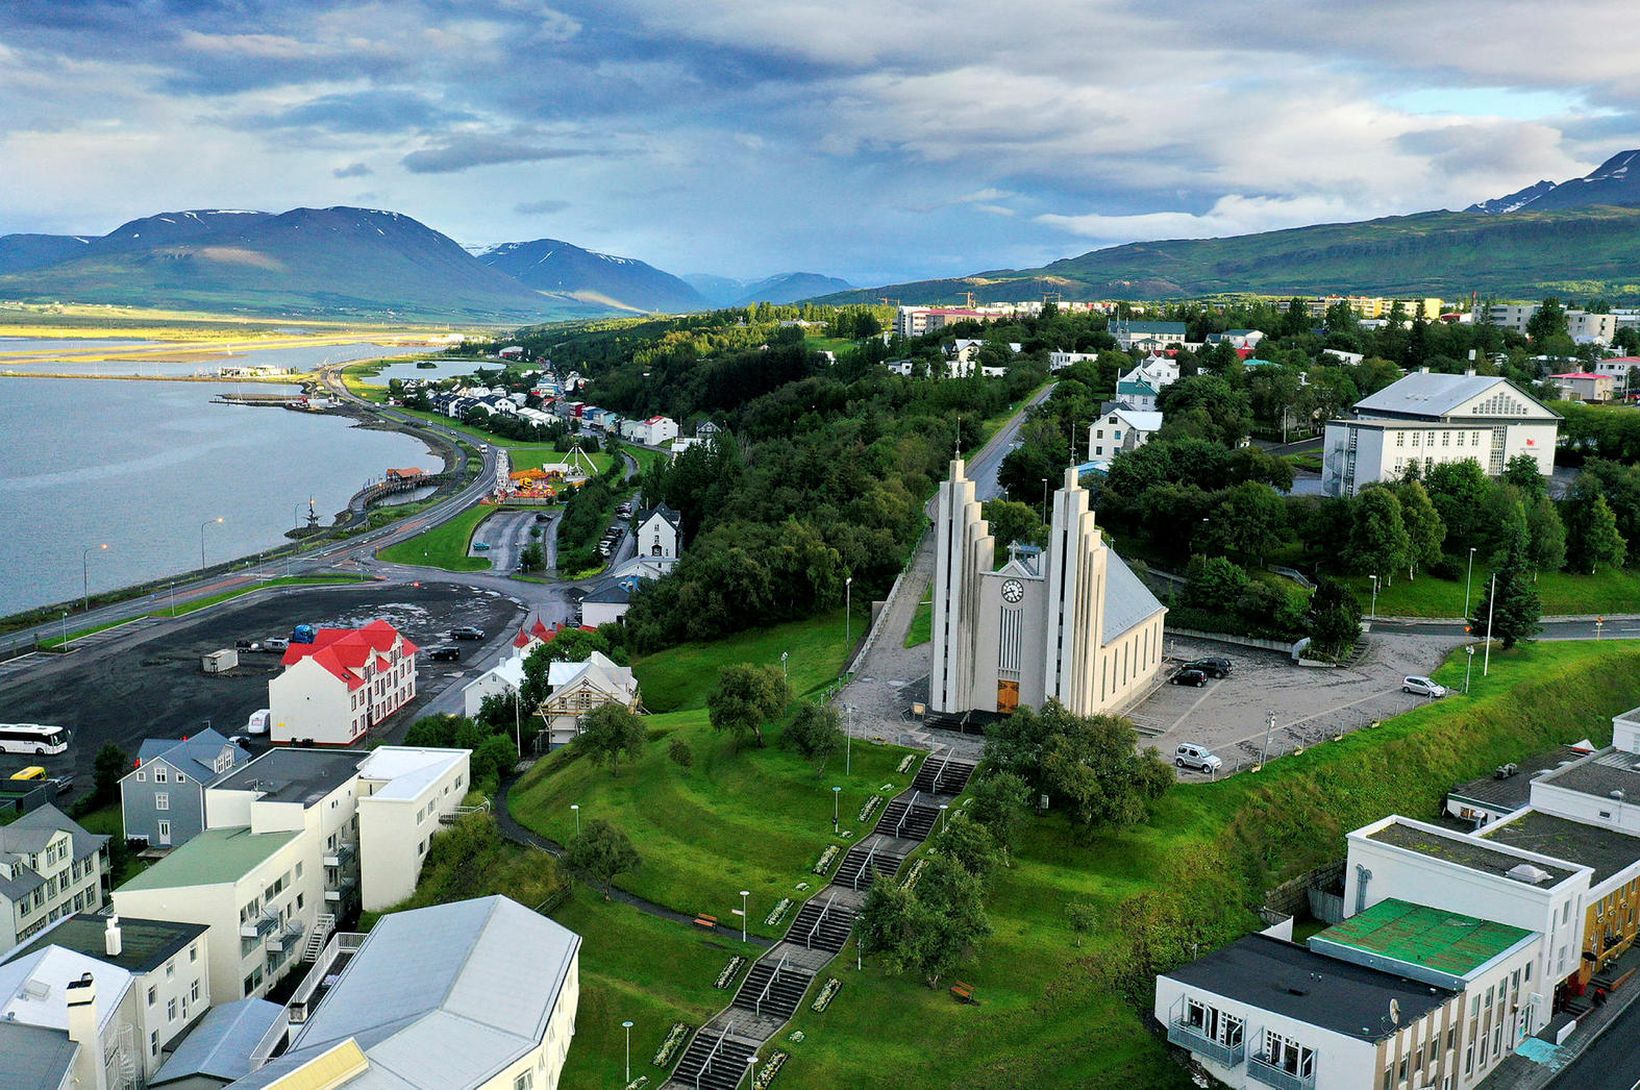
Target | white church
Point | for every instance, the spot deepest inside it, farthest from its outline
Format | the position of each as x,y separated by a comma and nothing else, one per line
1071,622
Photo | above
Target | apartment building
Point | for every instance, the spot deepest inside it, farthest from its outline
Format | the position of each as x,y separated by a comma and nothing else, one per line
1152,335
162,799
346,681
403,793
152,977
1120,429
49,868
1582,326
1142,387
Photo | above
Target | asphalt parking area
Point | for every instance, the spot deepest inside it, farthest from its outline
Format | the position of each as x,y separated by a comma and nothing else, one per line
1232,716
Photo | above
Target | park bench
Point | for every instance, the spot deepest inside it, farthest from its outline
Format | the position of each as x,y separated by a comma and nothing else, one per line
703,920
964,993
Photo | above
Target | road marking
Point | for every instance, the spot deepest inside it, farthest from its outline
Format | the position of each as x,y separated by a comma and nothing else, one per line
1207,691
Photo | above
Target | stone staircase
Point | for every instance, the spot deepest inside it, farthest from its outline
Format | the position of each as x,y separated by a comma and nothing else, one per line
714,1061
865,861
774,988
943,776
824,924
909,819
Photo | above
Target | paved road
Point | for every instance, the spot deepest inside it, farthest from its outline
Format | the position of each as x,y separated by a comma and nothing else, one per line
1612,1062
1552,630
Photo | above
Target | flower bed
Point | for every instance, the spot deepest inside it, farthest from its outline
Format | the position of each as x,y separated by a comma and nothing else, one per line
827,857
771,1068
725,978
669,1047
916,869
905,765
870,808
638,1083
827,993
779,912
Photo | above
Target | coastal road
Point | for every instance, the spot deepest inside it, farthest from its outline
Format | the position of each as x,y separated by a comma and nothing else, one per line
1576,628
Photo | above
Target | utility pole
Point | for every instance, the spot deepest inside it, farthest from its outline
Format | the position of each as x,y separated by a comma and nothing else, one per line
1269,726
1491,608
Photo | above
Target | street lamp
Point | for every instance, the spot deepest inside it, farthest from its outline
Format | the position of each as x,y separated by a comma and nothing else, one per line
1269,726
1044,499
577,808
85,571
1467,579
784,655
202,528
848,618
1469,664
627,1025
751,1071
1491,608
836,795
745,893
848,740
1372,614
944,806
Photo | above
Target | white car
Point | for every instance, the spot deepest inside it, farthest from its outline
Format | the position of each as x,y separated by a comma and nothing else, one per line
1202,759
1422,686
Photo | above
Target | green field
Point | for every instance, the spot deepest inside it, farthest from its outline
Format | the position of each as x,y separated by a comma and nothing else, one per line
680,677
922,621
1562,593
444,546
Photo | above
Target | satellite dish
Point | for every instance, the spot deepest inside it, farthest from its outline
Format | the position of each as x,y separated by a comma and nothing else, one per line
1395,1011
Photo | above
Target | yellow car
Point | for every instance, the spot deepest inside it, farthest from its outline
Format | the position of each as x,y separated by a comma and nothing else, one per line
32,772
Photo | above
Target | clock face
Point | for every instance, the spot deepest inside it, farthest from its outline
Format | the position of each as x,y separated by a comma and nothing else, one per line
1013,590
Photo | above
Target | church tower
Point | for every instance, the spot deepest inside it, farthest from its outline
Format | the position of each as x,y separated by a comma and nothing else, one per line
1077,569
962,550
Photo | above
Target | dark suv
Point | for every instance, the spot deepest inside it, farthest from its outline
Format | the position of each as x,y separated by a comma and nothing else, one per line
445,653
467,632
1212,667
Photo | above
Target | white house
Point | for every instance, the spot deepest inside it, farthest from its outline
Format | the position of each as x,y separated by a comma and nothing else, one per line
506,677
49,868
1141,387
577,688
1119,430
152,984
1430,418
1236,338
1582,326
403,793
659,531
348,680
1585,385
1151,335
608,602
654,432
1058,361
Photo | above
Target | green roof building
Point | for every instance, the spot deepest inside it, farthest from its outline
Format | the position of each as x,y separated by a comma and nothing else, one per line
1443,948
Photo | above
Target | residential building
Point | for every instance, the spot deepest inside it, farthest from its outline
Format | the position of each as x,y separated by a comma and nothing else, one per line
659,532
506,677
1375,307
404,792
654,431
230,1042
1119,430
1141,387
152,975
335,689
1072,624
577,688
1151,335
607,602
1236,338
475,995
1585,385
49,868
162,799
1428,419
1058,361
54,1031
1582,326
1621,370
1509,788
915,321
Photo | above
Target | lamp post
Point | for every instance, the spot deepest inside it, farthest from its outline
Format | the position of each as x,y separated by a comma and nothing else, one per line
944,806
1469,664
1491,608
1269,726
848,618
745,893
1467,579
751,1072
575,806
296,515
1599,623
1044,499
85,572
836,797
785,673
1372,613
627,1025
202,528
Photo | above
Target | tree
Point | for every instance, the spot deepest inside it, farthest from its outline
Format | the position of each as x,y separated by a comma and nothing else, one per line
1248,520
1522,471
970,844
1459,491
1509,608
1379,543
601,853
1593,540
491,758
1012,521
681,754
1425,530
1001,802
610,731
533,558
1083,916
817,733
1545,534
1549,320
1093,765
1207,407
1214,583
1334,618
929,927
111,764
746,697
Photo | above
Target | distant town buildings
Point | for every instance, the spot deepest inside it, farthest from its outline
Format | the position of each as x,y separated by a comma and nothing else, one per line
333,690
1375,307
1153,336
1582,326
655,431
1433,418
1585,385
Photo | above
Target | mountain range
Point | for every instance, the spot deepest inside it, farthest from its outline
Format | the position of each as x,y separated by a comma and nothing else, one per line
345,263
724,291
1576,237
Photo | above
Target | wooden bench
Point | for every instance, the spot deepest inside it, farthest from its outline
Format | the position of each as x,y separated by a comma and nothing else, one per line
703,920
964,993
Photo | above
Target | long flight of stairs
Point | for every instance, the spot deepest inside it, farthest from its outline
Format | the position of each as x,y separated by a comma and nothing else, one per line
773,988
864,863
715,1062
824,924
908,819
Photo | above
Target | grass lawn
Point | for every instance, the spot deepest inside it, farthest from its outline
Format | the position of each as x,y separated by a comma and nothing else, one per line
444,546
194,605
646,458
754,819
1562,593
108,821
59,641
922,622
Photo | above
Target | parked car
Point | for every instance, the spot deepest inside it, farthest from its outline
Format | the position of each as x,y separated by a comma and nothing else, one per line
445,653
276,644
1419,685
541,516
258,722
1202,759
1212,667
1188,676
481,546
246,645
466,632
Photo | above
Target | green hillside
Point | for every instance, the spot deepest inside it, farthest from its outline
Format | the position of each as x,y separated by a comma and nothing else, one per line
1448,254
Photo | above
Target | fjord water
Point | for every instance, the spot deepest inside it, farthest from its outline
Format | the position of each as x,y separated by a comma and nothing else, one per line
141,465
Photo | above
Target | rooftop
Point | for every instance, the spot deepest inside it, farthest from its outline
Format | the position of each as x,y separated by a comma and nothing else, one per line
1296,982
1513,792
213,857
1127,600
408,770
295,774
145,945
1448,943
1462,850
1600,774
33,1056
1606,851
1430,394
220,1046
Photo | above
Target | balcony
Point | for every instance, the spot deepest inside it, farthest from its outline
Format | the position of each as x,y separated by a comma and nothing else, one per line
341,855
260,927
1192,1038
1263,1071
343,891
287,936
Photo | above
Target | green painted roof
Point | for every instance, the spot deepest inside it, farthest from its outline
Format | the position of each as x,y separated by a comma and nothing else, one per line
1447,942
214,857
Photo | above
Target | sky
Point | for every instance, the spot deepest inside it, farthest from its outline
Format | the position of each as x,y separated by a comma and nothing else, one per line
874,140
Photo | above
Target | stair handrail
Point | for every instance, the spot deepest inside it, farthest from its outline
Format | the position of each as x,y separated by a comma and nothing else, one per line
808,942
757,1004
899,826
864,863
940,775
710,1055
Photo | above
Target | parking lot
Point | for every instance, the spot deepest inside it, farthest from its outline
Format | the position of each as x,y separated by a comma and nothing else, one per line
148,682
1231,716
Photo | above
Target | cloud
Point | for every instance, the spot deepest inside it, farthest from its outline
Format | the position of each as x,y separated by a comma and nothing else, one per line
466,152
539,208
352,170
386,111
1233,214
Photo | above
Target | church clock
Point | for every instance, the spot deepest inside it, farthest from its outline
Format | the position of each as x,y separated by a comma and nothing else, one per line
1013,590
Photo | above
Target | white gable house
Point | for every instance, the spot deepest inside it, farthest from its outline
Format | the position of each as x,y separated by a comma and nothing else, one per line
659,530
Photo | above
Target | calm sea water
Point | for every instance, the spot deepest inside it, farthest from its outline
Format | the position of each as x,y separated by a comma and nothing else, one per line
444,369
20,355
141,465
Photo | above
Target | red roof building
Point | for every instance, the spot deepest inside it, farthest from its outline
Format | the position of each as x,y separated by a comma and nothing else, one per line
333,690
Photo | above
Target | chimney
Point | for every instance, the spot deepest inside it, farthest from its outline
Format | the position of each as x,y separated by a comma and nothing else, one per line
89,1073
111,937
1423,370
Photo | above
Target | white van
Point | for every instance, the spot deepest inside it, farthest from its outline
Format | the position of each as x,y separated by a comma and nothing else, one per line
258,722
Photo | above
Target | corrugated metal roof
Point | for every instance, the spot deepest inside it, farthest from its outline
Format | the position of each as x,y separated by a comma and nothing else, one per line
1127,600
1429,394
222,1043
34,1057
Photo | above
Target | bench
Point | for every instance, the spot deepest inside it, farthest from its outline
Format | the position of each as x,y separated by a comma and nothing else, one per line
703,920
964,993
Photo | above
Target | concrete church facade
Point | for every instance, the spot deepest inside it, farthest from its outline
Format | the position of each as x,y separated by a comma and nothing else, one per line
1071,622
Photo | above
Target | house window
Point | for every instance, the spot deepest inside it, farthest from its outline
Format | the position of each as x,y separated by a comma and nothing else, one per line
193,953
524,1080
153,1043
181,778
152,995
159,774
170,1010
162,800
193,992
142,777
1400,438
170,970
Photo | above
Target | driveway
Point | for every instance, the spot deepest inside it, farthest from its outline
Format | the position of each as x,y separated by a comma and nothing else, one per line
507,533
1232,716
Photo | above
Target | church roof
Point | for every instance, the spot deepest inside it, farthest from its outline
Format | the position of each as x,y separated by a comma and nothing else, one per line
1127,600
666,513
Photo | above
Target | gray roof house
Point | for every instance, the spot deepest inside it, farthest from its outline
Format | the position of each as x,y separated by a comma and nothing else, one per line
162,799
222,1047
49,868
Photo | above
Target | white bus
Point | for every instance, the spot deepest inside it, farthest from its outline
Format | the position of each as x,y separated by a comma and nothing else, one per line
32,738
